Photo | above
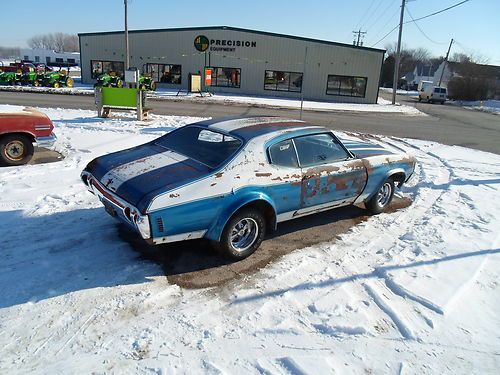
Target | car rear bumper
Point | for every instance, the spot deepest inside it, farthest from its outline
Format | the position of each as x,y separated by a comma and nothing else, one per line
117,207
46,142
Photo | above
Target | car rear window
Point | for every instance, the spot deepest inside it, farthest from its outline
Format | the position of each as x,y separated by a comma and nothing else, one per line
200,144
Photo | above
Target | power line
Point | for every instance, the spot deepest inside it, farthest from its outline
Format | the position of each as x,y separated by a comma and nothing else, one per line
380,30
440,11
385,36
364,15
380,16
418,27
372,13
421,18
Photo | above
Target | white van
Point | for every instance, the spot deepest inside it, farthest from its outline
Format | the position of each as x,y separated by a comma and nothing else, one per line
426,91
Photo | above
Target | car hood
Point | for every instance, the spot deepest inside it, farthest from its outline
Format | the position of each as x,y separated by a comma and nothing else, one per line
139,174
362,148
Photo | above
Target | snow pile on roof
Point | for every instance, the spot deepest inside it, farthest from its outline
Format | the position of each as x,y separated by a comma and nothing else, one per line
414,291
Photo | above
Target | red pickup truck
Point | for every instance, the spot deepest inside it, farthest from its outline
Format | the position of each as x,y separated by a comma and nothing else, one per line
20,128
18,67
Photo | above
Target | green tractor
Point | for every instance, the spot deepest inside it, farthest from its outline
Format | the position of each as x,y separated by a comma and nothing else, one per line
110,79
146,83
10,78
32,77
57,79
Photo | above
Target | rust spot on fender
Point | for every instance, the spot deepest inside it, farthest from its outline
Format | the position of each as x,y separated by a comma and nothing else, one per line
259,174
276,179
219,175
174,195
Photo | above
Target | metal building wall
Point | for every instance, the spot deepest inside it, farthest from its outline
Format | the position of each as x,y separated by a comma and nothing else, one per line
272,52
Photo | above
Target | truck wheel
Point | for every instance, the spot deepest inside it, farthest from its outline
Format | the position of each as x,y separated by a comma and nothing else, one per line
56,85
15,149
382,198
69,82
243,234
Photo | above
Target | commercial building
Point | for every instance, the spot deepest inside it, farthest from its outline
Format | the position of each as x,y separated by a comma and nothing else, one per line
50,57
244,62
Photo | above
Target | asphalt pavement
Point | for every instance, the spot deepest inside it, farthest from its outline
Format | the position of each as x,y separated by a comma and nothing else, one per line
444,123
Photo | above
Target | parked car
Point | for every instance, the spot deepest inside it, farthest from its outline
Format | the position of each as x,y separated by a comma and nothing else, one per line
230,180
19,129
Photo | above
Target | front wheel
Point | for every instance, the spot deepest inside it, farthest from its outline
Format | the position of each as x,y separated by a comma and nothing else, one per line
15,149
382,198
243,234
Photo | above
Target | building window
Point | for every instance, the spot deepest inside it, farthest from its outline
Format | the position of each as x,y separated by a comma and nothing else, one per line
101,67
47,59
276,80
165,73
226,77
71,61
37,58
346,86
26,57
59,60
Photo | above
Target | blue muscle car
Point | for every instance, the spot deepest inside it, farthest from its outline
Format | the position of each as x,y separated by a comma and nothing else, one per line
230,180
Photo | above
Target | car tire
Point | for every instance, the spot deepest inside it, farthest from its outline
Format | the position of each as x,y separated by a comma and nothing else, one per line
379,202
242,234
15,149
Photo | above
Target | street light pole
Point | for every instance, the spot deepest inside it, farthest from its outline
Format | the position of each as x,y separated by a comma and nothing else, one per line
127,61
398,54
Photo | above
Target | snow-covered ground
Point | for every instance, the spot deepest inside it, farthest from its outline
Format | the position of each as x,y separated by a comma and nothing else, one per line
400,92
382,106
411,292
490,106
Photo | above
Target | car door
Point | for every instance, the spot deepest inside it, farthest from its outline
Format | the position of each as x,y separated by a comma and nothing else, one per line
330,176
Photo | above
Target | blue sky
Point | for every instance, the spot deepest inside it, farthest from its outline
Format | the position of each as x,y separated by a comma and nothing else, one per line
475,25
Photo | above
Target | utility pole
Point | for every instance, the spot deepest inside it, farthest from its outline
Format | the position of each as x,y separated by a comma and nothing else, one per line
398,54
444,63
302,85
127,61
359,32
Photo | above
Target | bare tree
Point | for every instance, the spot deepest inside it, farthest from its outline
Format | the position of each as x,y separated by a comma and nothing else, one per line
60,42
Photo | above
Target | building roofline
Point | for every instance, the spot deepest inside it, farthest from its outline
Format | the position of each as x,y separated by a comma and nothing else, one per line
304,39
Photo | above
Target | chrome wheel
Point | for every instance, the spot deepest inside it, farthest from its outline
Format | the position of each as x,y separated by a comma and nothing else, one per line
244,234
384,194
14,150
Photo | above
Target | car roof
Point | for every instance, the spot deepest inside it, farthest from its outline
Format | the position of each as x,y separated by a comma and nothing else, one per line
251,127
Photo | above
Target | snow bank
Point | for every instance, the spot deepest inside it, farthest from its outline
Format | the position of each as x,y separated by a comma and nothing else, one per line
490,106
413,291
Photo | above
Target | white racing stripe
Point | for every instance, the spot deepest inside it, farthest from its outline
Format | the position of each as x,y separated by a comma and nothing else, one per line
117,176
230,125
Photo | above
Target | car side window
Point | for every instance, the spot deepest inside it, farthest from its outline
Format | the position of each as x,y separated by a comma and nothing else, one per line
283,154
319,149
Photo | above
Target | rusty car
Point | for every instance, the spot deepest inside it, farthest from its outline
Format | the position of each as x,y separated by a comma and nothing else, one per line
20,128
231,180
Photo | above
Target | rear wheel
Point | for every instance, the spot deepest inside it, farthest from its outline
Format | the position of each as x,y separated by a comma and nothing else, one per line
119,83
69,82
382,199
243,234
15,149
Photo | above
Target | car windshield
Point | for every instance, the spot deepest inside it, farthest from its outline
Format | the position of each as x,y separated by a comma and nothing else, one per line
200,144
